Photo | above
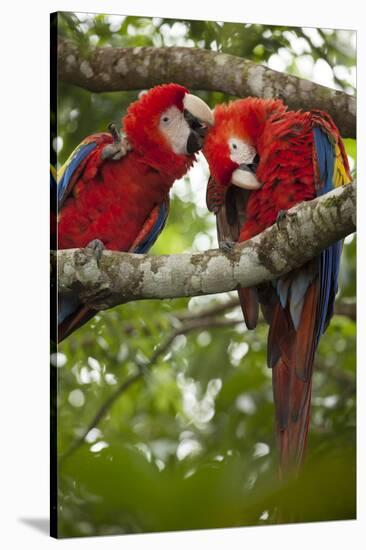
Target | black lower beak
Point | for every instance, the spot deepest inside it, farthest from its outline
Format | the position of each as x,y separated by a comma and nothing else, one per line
252,167
194,142
197,133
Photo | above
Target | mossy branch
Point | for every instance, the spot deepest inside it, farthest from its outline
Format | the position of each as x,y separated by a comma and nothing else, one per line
120,277
117,69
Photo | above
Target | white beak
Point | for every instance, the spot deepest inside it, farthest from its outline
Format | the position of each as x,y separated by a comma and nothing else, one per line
245,180
198,108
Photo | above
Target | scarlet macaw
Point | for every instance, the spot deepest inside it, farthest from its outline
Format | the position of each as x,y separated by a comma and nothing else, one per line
117,192
263,160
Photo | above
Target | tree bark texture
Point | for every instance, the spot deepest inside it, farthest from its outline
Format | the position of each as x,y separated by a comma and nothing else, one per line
120,277
117,69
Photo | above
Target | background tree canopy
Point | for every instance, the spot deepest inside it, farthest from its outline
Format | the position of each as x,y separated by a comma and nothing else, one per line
190,443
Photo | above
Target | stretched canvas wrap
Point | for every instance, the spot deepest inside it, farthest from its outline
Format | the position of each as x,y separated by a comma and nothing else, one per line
203,274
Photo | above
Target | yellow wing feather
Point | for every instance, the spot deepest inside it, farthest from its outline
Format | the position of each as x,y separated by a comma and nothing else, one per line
340,174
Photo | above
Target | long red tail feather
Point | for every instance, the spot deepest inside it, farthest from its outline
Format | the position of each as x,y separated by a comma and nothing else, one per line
72,323
248,298
291,357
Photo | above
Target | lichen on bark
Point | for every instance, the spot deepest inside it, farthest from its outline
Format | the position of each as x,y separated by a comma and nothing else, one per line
307,230
117,69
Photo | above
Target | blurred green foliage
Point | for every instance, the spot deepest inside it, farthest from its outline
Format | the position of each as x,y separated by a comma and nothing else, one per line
191,444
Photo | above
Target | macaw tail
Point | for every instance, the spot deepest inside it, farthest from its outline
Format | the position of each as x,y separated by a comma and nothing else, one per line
304,307
53,208
248,298
77,319
291,350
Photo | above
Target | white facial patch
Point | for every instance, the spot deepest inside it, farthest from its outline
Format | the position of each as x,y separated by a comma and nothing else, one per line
176,129
240,151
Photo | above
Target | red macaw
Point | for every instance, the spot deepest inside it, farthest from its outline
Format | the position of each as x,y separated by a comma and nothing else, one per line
116,192
263,160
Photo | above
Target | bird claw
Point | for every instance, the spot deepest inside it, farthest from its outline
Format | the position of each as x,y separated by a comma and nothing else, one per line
91,253
96,247
226,246
283,215
116,150
95,298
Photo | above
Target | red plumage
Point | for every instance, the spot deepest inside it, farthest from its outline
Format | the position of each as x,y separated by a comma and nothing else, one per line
112,199
298,307
118,201
113,204
284,143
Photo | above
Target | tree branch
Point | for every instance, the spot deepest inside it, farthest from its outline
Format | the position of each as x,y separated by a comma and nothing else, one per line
208,313
346,308
121,277
190,322
116,69
188,326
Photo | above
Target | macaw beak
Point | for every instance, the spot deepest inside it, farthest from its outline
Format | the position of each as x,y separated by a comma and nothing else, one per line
198,109
198,116
245,177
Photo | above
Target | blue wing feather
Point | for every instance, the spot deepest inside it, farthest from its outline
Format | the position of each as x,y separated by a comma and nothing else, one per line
79,155
155,231
329,260
283,288
69,304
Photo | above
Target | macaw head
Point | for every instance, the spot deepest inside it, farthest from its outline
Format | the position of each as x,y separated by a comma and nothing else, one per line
166,125
232,144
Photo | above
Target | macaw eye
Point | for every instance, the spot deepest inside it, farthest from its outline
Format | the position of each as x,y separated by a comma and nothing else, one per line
170,117
234,144
241,152
165,120
175,129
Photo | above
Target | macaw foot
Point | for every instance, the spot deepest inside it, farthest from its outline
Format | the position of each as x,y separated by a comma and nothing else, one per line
115,133
88,274
227,246
96,295
87,257
120,146
96,247
282,215
117,150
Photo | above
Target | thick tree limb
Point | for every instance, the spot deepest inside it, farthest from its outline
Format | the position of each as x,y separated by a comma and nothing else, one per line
122,277
116,69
